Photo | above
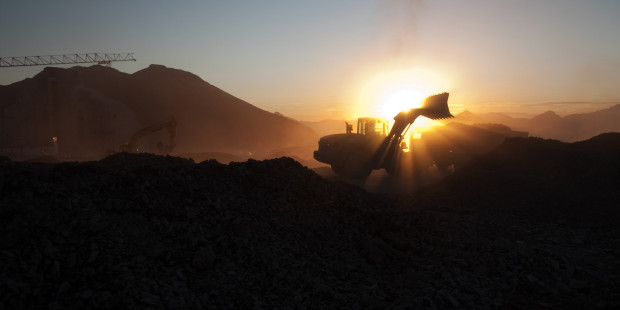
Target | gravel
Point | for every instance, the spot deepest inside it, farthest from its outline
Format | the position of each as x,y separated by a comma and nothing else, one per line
151,232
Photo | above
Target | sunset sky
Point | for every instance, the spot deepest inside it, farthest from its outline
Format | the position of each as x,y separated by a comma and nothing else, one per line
342,58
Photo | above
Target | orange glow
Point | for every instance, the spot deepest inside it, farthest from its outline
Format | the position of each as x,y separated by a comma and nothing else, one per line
387,93
423,123
400,100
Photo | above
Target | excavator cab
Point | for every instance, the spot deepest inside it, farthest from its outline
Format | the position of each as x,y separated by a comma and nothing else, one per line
372,126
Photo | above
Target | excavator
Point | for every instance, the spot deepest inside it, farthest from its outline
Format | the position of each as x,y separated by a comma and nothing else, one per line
170,125
355,155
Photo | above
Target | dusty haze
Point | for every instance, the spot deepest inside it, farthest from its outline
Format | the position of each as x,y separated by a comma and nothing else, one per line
94,110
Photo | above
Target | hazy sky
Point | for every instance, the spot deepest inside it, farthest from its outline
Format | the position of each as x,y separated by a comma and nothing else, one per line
328,58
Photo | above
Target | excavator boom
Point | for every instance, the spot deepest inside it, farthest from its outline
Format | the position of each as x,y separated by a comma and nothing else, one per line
170,125
434,107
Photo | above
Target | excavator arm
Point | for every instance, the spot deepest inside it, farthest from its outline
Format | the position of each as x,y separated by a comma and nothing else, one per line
170,125
434,107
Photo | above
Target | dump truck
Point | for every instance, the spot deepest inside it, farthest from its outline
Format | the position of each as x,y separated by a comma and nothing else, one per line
355,155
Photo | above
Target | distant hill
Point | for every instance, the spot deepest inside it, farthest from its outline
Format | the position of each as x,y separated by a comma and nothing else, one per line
92,110
584,126
550,125
467,117
329,126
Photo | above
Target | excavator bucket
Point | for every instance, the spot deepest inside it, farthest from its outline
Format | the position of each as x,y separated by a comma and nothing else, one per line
436,107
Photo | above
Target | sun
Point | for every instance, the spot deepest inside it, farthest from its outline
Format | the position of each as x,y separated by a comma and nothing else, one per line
400,99
386,93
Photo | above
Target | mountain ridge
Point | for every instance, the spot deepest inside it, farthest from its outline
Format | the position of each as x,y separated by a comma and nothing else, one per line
569,128
94,109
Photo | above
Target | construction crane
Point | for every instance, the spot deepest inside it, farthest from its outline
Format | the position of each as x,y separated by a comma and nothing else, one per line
98,58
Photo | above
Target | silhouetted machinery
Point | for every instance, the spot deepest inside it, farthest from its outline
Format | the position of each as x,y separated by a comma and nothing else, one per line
356,155
170,125
446,148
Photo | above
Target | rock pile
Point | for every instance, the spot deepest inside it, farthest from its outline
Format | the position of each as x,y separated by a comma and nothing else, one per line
542,179
149,231
153,232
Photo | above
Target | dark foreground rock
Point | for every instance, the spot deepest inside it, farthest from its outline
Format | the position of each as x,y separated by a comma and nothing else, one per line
145,231
540,179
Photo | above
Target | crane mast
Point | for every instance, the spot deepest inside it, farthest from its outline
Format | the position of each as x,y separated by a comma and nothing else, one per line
98,58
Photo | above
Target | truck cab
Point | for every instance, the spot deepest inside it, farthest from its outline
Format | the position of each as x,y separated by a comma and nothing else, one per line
347,152
372,126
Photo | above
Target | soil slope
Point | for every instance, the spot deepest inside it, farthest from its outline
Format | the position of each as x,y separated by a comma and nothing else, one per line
145,231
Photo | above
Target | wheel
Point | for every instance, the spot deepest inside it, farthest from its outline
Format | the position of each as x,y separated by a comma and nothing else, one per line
337,168
356,166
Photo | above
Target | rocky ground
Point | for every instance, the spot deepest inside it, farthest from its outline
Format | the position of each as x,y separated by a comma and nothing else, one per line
146,231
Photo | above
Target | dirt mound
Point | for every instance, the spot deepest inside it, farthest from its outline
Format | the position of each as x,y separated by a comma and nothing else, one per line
142,231
152,231
44,159
539,178
223,158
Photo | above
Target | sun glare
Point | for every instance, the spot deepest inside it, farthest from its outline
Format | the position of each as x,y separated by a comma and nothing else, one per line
386,93
400,100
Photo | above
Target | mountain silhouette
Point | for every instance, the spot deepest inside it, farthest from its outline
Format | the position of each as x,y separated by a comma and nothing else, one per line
584,126
467,117
329,126
550,125
92,110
